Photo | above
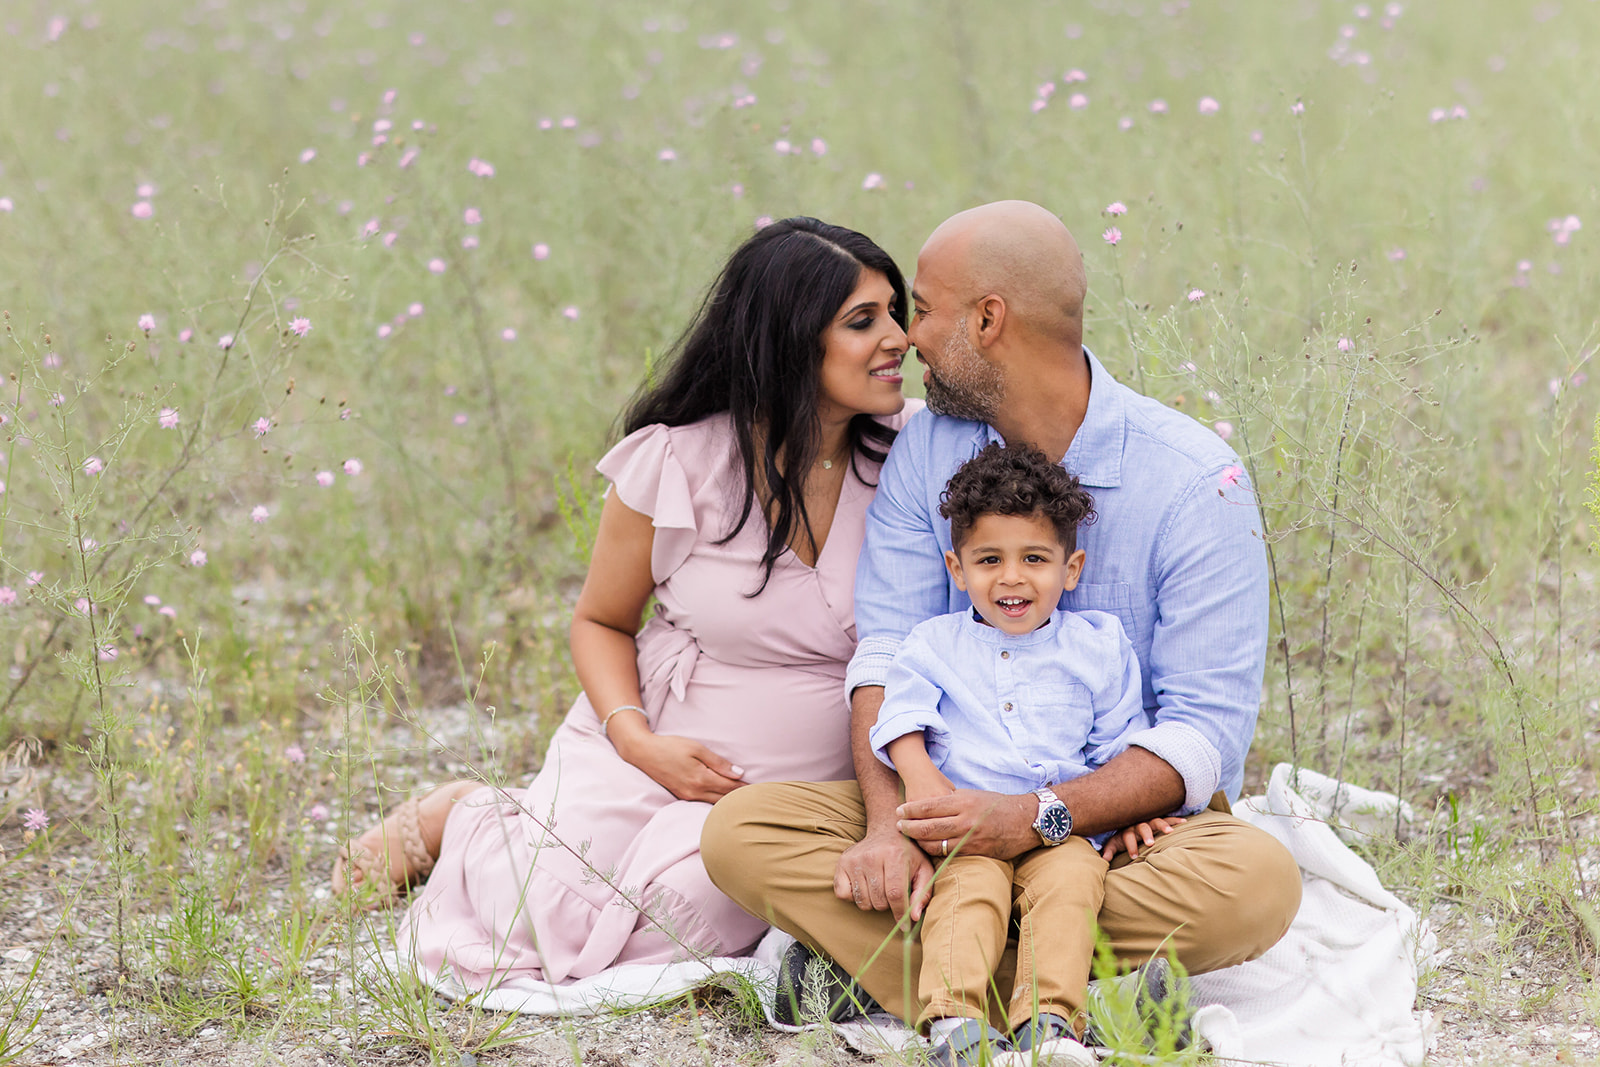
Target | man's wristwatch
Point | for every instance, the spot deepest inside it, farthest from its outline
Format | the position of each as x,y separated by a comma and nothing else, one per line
1054,821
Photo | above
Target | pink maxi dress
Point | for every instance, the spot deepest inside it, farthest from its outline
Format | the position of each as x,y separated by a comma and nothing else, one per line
594,864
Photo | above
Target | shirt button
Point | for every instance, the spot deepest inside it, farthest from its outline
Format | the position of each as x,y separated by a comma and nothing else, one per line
1008,705
1005,655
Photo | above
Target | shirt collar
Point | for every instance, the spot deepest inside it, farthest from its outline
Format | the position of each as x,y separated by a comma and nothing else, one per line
1095,454
973,624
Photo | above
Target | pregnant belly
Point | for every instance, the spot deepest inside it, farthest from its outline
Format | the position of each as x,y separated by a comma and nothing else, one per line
778,723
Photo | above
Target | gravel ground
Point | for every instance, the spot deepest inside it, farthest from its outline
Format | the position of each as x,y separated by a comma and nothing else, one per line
1542,1010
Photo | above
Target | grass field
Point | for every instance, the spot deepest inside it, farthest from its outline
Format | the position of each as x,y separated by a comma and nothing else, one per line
317,314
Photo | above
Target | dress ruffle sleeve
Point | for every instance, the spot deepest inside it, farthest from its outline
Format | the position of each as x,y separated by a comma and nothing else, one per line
649,479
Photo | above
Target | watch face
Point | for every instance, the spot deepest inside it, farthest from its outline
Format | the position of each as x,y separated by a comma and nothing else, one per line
1054,822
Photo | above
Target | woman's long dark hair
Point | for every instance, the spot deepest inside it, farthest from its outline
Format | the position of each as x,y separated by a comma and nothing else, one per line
755,351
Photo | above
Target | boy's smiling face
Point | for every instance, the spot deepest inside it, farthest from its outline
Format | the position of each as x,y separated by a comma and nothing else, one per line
1015,568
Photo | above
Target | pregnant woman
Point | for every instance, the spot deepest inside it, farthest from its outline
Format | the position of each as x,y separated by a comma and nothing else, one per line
738,500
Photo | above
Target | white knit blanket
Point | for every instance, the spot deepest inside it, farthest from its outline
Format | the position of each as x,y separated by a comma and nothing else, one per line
1338,990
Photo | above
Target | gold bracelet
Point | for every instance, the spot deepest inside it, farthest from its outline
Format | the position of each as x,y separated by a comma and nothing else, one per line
605,722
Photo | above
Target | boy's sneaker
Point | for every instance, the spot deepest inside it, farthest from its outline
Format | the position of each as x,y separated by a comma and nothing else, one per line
1160,1001
1047,1041
813,989
972,1044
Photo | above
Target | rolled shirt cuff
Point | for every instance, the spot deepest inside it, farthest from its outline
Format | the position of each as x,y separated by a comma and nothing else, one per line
1189,753
870,664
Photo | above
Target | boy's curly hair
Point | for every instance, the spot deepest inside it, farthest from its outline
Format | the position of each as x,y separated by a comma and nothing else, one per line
1018,480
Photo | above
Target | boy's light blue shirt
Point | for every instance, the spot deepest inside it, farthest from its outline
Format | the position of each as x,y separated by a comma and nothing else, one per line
1013,713
1176,554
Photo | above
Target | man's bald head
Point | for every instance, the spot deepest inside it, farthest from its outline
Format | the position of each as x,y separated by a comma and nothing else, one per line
1020,252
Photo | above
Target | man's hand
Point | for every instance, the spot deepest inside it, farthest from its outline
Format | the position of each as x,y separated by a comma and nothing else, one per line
885,871
1128,840
979,823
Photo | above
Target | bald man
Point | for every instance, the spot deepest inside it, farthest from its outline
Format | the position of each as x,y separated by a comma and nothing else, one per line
1176,553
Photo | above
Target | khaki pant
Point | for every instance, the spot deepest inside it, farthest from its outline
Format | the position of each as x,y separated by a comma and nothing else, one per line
1054,895
1216,891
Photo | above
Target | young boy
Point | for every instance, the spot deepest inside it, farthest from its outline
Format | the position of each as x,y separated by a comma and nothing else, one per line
1013,696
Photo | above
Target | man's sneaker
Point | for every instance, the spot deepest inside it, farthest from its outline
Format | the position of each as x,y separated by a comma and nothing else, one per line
1134,1011
1047,1041
972,1044
813,989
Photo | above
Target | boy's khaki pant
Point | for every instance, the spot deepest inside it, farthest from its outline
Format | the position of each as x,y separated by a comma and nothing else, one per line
1216,891
1055,894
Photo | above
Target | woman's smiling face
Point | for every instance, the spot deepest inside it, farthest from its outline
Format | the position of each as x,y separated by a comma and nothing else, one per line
863,348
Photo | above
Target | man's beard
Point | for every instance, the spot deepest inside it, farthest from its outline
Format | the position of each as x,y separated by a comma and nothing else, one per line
970,387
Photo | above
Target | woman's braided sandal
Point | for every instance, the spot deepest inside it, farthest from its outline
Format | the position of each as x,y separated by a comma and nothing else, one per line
358,865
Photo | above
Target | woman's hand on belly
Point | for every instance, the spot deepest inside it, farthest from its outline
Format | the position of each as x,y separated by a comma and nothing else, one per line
682,766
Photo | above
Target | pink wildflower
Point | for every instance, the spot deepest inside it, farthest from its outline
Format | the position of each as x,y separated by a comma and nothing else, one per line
1196,295
294,754
108,653
197,558
872,181
261,426
353,467
370,229
508,334
185,336
35,577
1345,344
259,513
324,478
318,813
168,419
1396,255
1124,124
1158,106
436,265
782,147
8,595
35,820
147,322
385,330
81,605
225,342
56,400
1209,106
460,418
93,465
1230,475
6,205
1224,429
667,155
470,241
300,326
1116,207
390,238
1112,235
153,600
1297,108
168,610
763,221
483,169
308,155
142,209
415,310
1074,75
471,216
408,157
1078,101
541,251
570,312
819,147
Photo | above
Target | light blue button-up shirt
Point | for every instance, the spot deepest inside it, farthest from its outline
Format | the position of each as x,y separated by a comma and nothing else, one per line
1176,554
1012,713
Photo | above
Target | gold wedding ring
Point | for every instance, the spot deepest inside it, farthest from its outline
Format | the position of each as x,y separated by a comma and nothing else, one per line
945,846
